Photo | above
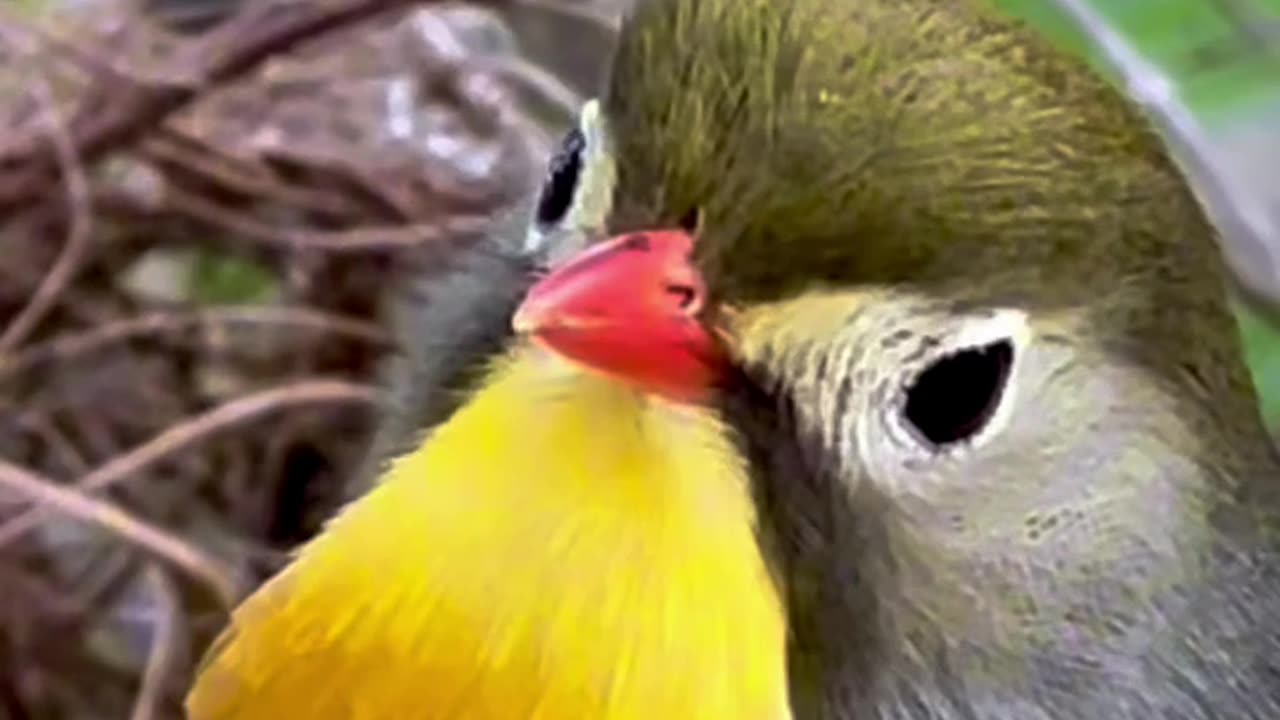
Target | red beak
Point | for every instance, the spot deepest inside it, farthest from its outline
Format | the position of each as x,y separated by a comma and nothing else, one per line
629,307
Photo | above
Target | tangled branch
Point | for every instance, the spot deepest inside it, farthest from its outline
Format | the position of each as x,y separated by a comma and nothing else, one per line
197,231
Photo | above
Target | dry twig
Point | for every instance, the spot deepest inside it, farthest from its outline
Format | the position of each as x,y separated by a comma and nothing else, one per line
68,347
322,170
164,643
115,112
181,435
79,210
135,531
359,240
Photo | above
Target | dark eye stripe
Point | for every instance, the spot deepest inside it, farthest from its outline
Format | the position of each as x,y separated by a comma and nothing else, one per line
562,179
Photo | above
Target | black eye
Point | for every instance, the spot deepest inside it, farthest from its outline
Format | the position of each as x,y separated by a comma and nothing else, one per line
562,179
956,396
691,221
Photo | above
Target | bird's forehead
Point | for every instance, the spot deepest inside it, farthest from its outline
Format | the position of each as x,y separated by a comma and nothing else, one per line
851,142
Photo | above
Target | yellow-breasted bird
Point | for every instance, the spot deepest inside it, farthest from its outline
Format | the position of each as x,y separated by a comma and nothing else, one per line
545,543
906,331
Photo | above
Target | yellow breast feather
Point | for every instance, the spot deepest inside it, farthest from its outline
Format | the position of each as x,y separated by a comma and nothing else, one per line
562,548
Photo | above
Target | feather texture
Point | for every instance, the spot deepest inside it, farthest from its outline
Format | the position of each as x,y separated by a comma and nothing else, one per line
450,322
561,547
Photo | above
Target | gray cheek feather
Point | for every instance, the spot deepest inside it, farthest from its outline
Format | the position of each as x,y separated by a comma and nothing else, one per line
1162,602
449,324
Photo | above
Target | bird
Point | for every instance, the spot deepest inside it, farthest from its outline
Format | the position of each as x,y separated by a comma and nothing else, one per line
537,541
887,372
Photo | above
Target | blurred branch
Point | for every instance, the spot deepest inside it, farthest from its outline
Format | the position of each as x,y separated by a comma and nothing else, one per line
193,430
358,240
217,215
164,639
209,162
117,109
69,347
137,532
79,210
73,461
548,86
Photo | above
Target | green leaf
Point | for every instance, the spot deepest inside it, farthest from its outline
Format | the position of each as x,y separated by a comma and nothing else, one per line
1262,353
219,279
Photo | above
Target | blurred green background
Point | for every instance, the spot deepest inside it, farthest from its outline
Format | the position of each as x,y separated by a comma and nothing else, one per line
1222,53
1224,58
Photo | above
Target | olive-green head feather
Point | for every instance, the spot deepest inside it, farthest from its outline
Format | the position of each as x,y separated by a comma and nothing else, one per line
925,142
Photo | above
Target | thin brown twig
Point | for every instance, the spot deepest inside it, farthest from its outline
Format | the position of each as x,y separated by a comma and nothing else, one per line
164,641
97,311
72,299
79,210
361,240
40,425
74,504
110,570
200,427
92,59
114,114
69,346
172,147
522,72
39,592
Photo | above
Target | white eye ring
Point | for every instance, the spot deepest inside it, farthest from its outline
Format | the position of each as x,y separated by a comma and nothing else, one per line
1001,326
592,185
